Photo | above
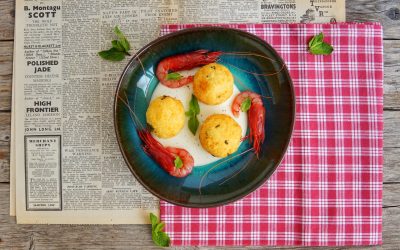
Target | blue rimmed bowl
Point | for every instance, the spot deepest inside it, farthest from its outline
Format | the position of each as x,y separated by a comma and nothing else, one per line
207,185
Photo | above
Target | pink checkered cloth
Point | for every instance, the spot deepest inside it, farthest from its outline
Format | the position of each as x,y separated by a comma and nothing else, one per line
328,189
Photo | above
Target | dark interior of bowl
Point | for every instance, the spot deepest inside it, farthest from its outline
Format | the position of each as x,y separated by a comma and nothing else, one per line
232,179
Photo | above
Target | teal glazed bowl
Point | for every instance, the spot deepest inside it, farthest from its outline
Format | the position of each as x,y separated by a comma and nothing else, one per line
224,181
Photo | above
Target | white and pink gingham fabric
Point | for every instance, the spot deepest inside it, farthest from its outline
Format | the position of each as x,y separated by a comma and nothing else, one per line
328,189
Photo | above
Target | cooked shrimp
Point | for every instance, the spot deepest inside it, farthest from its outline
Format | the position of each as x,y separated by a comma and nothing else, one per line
183,62
165,157
256,117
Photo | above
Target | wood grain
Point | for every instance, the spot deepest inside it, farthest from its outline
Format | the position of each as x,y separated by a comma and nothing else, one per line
4,164
391,169
121,236
383,11
392,74
7,14
6,59
5,128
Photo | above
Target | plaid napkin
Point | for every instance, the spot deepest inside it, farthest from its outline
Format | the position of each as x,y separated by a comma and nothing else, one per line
328,189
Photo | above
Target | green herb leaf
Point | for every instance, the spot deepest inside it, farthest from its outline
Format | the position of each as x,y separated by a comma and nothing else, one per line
159,237
117,45
153,220
246,104
112,55
174,76
194,110
318,47
122,39
193,124
190,113
119,49
194,105
178,162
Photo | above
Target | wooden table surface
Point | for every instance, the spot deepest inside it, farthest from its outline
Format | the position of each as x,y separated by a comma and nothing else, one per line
139,236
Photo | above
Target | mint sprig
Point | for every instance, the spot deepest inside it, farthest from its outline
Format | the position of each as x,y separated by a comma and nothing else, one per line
194,110
317,46
120,48
159,237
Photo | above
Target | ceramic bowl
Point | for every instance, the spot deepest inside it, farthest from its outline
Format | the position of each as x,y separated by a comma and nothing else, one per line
232,179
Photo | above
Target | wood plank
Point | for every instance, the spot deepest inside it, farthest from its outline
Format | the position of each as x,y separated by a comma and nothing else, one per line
4,164
391,133
5,128
391,195
7,14
392,74
391,169
6,59
383,11
391,228
122,236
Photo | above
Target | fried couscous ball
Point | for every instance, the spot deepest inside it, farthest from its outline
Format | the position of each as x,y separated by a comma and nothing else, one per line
165,116
220,135
213,84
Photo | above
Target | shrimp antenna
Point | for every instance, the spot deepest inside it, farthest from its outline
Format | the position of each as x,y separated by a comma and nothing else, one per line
231,158
229,178
132,114
249,54
257,74
144,71
242,84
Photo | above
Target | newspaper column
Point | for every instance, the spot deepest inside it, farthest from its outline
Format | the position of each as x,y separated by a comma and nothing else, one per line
43,106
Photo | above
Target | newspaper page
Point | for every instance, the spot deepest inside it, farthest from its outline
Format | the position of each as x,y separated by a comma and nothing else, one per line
65,158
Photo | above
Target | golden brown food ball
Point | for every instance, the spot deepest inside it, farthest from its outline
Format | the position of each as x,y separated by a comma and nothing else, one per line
220,135
213,84
165,116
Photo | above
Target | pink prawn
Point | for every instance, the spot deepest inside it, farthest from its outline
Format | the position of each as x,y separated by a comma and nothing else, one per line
183,62
165,156
256,117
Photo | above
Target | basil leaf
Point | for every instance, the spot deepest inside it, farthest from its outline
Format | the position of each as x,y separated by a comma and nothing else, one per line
193,124
190,113
117,45
174,76
161,239
178,162
119,49
318,47
153,220
159,227
112,55
194,105
246,104
323,49
317,39
122,39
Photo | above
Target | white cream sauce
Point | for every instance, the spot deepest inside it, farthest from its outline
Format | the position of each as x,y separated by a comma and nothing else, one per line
185,139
